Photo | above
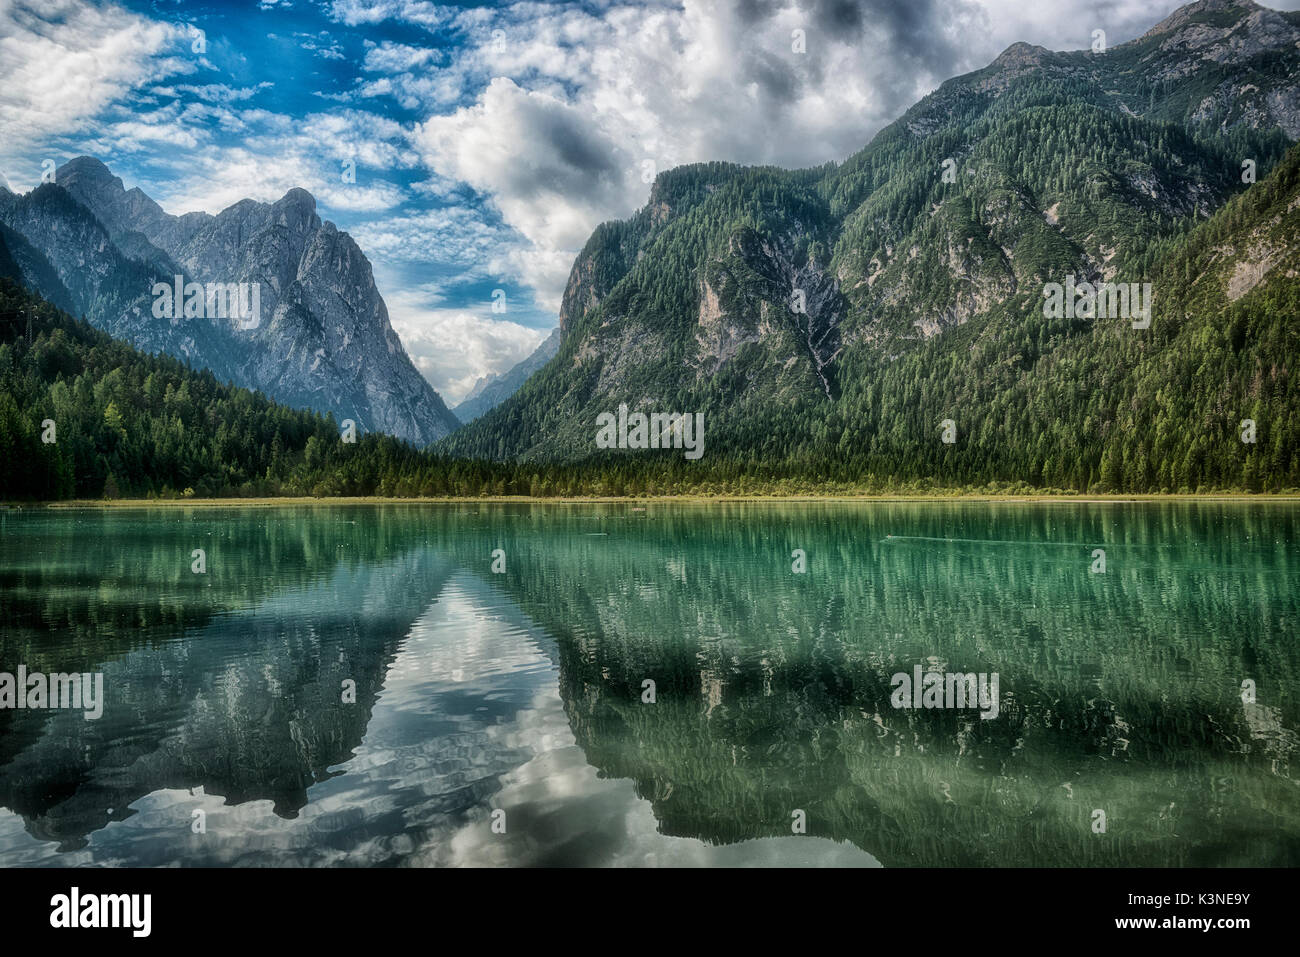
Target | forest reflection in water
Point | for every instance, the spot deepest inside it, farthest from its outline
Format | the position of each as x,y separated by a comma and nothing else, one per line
523,691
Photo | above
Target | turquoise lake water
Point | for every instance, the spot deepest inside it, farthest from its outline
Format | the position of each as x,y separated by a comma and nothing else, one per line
500,717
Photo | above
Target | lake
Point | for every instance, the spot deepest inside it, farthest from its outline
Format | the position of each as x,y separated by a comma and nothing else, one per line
671,684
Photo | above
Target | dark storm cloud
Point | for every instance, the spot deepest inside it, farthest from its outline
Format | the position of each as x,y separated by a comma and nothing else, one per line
775,77
915,37
914,28
750,12
841,19
559,153
575,148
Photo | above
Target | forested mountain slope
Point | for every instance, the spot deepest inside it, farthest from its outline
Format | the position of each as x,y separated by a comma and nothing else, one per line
826,321
321,340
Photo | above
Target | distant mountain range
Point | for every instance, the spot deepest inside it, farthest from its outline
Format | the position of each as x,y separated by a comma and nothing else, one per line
322,339
490,391
827,320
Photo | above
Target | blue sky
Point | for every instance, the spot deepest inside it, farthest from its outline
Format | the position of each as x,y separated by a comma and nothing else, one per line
487,141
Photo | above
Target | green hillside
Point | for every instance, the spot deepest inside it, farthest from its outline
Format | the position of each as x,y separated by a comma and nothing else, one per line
922,293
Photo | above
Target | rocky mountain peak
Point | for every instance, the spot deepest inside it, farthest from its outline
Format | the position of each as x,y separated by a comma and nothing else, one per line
296,210
299,200
1201,11
88,173
1020,55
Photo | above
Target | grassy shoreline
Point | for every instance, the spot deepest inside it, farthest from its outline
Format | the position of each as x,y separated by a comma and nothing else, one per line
988,498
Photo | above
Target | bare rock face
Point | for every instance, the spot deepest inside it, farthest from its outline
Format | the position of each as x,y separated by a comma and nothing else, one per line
766,292
321,339
1201,39
73,262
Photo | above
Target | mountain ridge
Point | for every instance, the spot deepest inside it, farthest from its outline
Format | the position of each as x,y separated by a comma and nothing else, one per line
1096,165
324,340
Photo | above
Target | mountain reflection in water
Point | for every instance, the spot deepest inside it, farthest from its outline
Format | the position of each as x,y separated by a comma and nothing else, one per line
522,691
